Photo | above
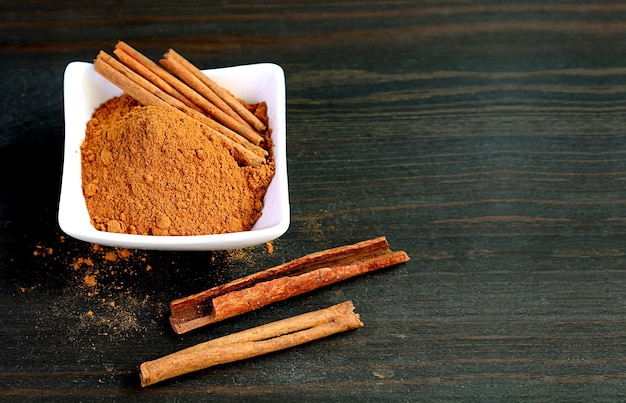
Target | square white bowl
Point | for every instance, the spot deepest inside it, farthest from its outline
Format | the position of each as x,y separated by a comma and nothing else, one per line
85,90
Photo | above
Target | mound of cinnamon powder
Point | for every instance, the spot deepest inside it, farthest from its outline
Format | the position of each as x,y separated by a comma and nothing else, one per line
151,171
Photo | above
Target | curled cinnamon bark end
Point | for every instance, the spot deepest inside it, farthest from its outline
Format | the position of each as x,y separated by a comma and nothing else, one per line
297,277
253,342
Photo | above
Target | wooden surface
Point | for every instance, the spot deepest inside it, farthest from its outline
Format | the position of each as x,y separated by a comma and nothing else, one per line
486,139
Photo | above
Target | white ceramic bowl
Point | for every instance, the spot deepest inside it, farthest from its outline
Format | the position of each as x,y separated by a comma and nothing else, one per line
85,90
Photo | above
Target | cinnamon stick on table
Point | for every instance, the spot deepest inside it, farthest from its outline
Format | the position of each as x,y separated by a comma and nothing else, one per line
281,282
253,342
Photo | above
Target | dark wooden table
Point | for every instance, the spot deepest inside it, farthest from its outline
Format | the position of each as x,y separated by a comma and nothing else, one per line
486,139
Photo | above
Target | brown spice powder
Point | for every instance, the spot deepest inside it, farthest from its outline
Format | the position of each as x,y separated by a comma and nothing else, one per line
151,171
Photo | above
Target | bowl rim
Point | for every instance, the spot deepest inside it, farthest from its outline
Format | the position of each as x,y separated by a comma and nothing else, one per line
77,78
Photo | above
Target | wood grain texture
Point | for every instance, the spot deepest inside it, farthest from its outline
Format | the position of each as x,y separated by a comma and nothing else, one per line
486,139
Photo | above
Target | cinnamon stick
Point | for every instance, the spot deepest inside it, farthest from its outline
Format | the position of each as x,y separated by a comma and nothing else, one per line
233,102
196,85
213,104
299,276
253,342
128,81
149,94
140,67
153,71
177,88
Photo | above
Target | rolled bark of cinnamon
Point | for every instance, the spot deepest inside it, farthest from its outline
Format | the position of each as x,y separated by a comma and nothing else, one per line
253,342
293,278
217,89
212,104
128,81
147,93
205,100
132,61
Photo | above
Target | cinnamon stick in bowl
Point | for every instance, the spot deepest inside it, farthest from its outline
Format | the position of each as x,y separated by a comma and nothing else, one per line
297,277
150,89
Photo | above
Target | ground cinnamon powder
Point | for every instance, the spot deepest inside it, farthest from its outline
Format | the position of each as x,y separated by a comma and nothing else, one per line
152,171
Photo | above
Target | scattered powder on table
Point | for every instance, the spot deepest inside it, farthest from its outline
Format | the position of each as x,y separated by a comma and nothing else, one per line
151,171
102,295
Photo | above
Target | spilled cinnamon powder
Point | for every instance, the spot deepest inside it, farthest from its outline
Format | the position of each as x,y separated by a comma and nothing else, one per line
151,171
